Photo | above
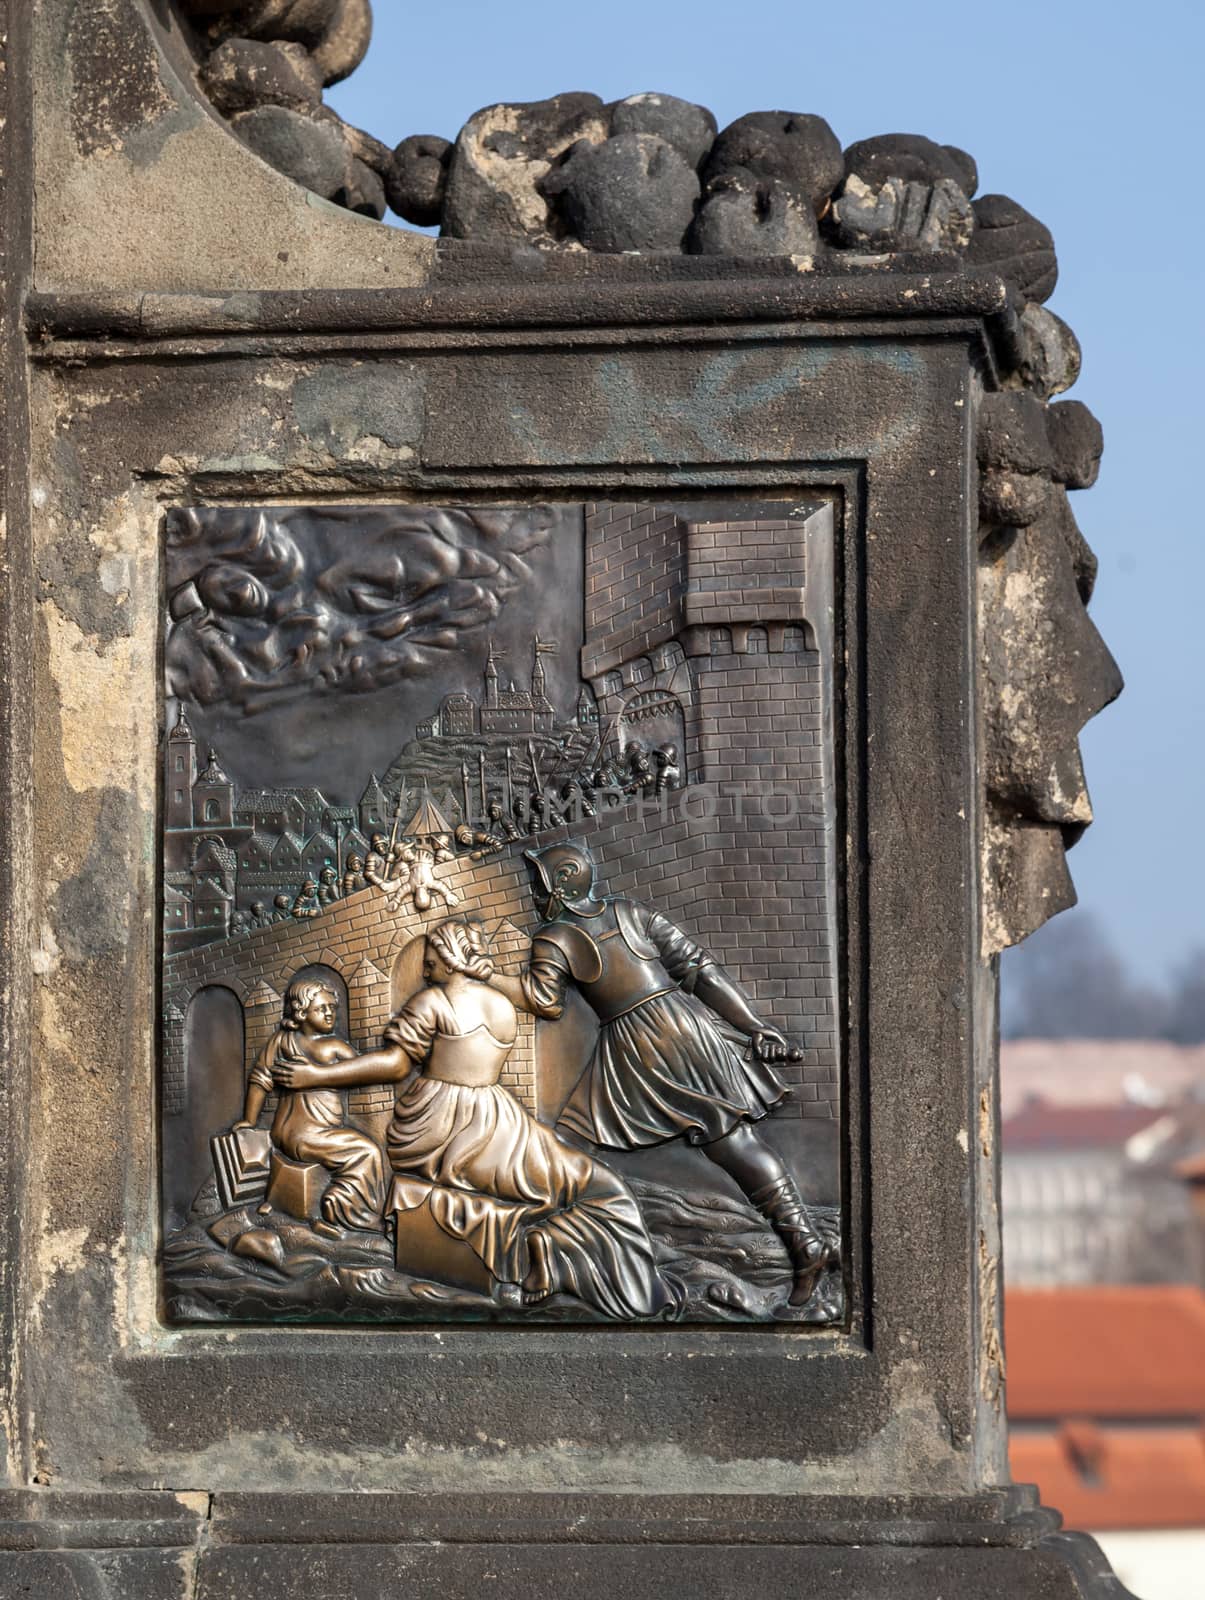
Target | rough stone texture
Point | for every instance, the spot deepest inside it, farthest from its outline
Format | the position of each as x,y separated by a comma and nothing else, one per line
903,215
313,154
800,150
418,178
307,21
243,73
1014,244
744,215
502,154
171,364
632,192
133,133
1050,353
1012,433
345,42
691,129
1045,670
282,53
673,413
362,145
1077,442
912,158
851,1547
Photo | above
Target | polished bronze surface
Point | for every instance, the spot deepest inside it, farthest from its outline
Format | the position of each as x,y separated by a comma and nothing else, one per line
477,1083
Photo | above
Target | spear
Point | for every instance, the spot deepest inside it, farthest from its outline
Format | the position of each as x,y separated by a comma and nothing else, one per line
397,817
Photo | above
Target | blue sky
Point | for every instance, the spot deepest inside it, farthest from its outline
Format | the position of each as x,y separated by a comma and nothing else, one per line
1087,113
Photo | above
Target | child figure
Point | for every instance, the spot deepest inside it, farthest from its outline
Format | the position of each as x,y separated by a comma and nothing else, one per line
309,1124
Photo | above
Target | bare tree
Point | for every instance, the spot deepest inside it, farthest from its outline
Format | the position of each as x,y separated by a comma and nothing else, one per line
1068,981
1186,1005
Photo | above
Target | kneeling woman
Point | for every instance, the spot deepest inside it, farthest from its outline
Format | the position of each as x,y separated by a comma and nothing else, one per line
569,1225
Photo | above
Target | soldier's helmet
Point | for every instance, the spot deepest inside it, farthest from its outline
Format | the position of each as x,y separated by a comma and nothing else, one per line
565,872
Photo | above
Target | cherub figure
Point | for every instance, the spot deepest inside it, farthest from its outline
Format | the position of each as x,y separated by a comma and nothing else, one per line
421,857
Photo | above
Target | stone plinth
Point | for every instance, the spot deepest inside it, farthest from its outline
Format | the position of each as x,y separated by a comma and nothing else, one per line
185,327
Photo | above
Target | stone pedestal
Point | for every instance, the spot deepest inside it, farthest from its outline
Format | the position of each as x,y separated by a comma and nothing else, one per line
296,1187
186,327
423,1248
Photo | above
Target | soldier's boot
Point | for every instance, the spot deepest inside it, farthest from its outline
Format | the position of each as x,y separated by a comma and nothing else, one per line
783,1208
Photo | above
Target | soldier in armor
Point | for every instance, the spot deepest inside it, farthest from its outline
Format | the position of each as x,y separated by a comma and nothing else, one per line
259,915
328,887
353,878
669,773
640,768
577,799
661,1068
538,812
282,908
306,904
378,862
475,840
419,857
500,824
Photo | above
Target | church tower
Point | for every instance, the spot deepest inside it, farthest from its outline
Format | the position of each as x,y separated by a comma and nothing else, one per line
587,709
491,680
543,711
537,671
373,808
213,797
180,773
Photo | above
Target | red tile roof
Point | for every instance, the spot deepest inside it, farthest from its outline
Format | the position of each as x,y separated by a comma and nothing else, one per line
1107,1351
1040,1126
1103,1478
1095,1071
1106,1392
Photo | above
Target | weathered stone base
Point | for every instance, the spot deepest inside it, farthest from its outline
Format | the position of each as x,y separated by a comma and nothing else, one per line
163,1546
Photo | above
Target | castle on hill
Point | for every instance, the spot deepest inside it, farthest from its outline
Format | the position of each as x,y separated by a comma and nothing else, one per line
228,849
505,711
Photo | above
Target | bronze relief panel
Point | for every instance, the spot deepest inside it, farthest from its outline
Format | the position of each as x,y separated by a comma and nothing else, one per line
499,947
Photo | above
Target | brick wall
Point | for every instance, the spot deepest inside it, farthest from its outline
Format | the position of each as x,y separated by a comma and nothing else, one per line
752,883
721,859
635,569
744,572
361,940
723,862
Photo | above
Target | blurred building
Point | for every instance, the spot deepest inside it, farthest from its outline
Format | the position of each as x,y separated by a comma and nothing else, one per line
1106,1401
1103,1195
1098,1072
1092,1195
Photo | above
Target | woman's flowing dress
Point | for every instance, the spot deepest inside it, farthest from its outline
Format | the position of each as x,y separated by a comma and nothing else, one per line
536,1211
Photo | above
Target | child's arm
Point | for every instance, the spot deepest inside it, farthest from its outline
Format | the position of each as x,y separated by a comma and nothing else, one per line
253,1105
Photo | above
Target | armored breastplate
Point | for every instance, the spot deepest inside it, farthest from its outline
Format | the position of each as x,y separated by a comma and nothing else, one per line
472,1059
630,974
